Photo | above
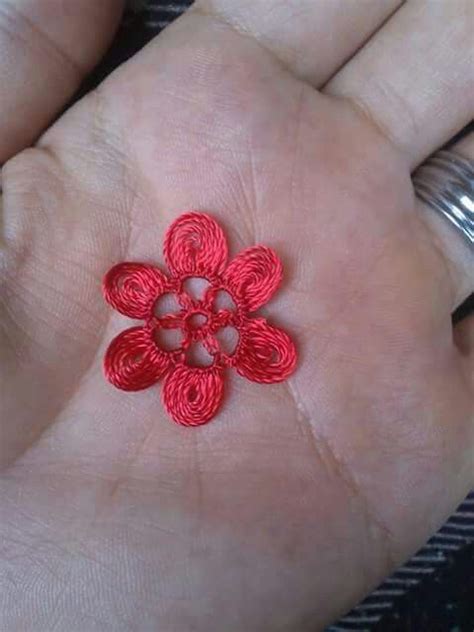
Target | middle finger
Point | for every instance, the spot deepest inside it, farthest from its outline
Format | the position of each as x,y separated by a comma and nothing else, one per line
312,38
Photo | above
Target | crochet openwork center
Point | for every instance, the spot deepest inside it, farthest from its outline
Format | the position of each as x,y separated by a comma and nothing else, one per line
195,246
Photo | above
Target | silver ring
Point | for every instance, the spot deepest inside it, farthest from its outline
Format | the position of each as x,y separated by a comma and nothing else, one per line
446,183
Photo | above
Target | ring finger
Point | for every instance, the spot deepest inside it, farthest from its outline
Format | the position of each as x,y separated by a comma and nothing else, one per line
414,76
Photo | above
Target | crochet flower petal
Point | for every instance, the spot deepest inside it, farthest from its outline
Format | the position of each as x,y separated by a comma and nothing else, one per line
253,276
264,354
192,395
133,360
132,288
195,245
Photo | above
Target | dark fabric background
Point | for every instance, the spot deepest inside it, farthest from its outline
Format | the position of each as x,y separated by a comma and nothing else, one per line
434,591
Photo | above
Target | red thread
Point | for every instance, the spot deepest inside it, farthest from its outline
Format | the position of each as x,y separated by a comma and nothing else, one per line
265,353
192,394
195,246
132,288
134,361
253,276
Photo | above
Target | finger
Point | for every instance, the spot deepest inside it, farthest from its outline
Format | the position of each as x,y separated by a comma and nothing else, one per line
454,250
46,48
312,38
464,339
414,77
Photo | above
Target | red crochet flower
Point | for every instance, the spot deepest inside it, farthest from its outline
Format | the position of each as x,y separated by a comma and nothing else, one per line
195,246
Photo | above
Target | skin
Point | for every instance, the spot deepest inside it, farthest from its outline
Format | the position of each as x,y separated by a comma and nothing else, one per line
299,497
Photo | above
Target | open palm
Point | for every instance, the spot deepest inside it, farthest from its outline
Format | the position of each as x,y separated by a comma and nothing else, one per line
298,497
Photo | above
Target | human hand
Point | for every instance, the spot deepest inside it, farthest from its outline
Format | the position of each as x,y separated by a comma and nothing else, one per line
299,497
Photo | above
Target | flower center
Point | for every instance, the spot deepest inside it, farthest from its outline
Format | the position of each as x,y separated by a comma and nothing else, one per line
196,320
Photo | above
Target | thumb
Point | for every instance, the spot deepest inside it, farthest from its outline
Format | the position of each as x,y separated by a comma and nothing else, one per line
46,48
